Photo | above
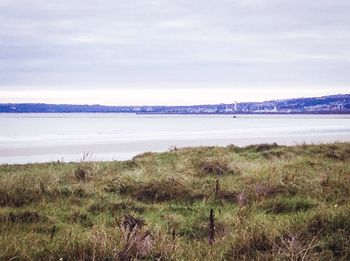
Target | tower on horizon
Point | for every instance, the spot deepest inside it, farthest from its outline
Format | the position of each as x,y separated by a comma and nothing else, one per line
235,106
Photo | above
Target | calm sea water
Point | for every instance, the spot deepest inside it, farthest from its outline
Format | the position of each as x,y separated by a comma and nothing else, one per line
50,137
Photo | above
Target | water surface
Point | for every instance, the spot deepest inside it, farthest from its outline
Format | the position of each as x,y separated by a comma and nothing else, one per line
36,137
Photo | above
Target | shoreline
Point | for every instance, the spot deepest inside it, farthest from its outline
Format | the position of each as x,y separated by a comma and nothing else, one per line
105,152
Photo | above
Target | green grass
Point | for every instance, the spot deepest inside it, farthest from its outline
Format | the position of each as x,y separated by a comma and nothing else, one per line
269,202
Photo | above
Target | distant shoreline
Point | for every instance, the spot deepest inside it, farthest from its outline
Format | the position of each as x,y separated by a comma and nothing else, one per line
177,113
250,113
334,104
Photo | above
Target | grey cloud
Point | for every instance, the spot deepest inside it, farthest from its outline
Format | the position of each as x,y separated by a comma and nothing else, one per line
112,42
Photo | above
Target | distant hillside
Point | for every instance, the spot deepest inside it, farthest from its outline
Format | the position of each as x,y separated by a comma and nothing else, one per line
327,104
43,108
332,103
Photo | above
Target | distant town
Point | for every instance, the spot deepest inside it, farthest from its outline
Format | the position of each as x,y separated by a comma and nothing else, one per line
326,104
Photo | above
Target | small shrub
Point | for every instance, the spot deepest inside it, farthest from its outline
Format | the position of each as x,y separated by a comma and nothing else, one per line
339,245
263,190
17,197
106,206
326,225
216,167
81,218
23,217
242,199
228,195
165,191
83,173
336,232
234,148
287,205
67,191
250,247
158,190
86,169
336,153
270,154
293,247
339,222
138,242
316,225
198,230
262,147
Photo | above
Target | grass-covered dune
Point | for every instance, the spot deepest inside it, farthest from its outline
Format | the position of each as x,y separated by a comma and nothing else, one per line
267,202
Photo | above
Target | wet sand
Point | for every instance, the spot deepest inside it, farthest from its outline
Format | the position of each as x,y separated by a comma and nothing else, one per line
126,150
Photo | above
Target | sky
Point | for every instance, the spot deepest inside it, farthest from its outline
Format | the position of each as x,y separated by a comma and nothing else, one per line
135,52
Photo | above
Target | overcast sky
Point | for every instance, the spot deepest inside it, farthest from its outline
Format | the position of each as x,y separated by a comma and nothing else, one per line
172,52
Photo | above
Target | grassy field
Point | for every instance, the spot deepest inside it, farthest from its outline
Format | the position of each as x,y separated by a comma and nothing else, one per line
267,202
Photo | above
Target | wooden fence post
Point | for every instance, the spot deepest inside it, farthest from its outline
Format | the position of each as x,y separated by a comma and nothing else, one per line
52,232
217,188
211,227
174,234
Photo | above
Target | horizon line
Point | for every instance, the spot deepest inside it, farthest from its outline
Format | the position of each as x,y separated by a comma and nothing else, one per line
163,105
